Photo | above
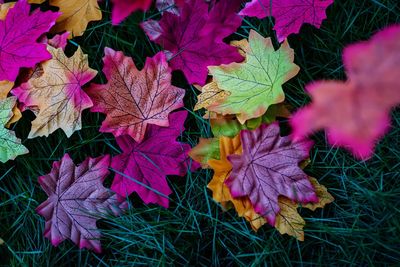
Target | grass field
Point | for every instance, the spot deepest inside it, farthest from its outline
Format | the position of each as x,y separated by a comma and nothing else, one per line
361,228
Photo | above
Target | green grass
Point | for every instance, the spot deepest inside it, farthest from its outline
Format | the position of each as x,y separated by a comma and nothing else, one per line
362,226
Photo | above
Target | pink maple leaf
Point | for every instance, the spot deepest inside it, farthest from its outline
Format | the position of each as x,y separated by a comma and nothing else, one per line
355,113
269,168
123,8
194,39
289,15
142,167
77,199
19,33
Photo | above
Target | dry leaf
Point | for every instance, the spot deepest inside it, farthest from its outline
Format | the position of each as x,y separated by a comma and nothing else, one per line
76,14
57,93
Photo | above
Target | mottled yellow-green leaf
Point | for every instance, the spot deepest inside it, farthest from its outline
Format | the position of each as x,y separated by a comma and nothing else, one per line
255,84
10,145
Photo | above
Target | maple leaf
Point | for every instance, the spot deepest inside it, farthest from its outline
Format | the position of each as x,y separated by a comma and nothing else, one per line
4,8
289,15
206,149
255,84
76,14
76,200
142,167
134,99
210,94
355,113
221,193
10,145
194,39
59,40
18,42
5,88
171,6
268,168
123,8
289,221
57,94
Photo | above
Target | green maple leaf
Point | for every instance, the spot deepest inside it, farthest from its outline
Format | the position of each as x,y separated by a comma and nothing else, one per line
256,83
10,145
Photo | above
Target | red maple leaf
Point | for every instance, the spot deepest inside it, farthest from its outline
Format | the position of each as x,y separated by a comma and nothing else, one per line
194,39
133,99
143,167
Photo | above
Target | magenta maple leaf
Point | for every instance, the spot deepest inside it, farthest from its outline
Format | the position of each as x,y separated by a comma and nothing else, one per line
269,168
289,15
77,199
142,167
19,33
194,39
123,8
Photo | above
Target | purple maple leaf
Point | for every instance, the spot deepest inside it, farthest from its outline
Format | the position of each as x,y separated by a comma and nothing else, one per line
289,15
142,167
77,199
19,33
194,39
269,168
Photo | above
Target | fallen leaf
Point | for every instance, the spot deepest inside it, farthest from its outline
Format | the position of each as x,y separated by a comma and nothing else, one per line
16,116
18,41
289,15
59,40
206,149
355,113
221,193
194,39
210,94
123,8
58,94
4,7
76,200
134,99
5,88
143,167
10,145
76,14
269,168
255,84
230,126
288,220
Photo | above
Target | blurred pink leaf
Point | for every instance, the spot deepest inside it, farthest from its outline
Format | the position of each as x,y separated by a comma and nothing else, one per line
355,113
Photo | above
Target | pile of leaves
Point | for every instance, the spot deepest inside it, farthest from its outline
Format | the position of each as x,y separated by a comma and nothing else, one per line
258,171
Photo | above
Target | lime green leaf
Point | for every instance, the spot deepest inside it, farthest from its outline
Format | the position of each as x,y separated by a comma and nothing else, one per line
256,83
10,145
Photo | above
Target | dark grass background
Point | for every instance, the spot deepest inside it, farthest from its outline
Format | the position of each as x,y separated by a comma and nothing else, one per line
361,228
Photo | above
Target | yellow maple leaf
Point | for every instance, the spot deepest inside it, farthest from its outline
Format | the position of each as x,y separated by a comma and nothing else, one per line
76,14
56,97
288,221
